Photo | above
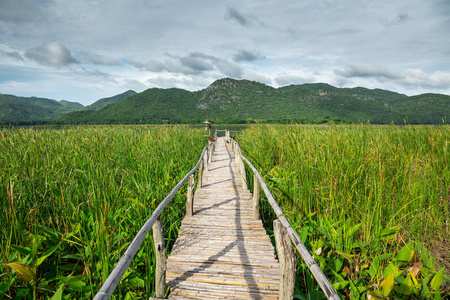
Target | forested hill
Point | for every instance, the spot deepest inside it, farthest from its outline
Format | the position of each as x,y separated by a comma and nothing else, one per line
236,101
99,104
17,109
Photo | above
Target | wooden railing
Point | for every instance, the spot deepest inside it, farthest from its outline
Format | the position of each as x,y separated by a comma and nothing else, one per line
154,222
284,234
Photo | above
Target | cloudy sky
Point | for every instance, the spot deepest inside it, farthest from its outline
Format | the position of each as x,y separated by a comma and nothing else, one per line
86,50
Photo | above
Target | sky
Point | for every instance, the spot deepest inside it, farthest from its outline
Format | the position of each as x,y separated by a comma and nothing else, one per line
86,50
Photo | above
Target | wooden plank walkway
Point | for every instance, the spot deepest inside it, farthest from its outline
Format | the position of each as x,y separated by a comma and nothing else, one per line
221,252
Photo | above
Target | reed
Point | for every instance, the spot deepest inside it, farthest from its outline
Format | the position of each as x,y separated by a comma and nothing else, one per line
358,194
73,199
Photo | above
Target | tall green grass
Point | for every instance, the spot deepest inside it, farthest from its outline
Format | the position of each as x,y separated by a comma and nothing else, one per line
358,195
71,201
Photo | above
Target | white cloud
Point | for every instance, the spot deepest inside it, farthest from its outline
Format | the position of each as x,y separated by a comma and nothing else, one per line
417,78
401,45
51,54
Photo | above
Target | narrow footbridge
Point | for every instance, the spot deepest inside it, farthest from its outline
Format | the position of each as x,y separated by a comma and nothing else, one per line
223,250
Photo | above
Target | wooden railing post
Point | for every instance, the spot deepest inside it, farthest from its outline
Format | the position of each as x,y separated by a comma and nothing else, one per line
160,253
190,197
200,175
243,174
256,187
286,259
211,151
205,160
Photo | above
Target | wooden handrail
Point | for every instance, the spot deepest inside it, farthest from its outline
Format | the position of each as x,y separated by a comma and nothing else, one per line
321,279
115,276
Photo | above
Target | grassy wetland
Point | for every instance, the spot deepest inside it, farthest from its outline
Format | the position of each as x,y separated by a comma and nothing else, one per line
371,202
73,199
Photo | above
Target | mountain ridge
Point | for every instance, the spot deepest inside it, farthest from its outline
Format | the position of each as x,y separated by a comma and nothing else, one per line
15,108
242,101
99,104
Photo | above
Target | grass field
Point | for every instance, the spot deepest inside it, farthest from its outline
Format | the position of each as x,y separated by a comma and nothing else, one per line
369,201
73,199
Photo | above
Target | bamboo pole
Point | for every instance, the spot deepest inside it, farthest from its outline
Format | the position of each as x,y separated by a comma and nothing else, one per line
190,196
256,187
160,253
287,261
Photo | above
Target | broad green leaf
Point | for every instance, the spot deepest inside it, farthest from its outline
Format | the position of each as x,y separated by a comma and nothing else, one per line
424,255
424,285
76,285
390,269
362,289
303,234
437,280
4,288
49,252
58,294
22,250
376,295
340,285
388,285
338,262
406,253
25,272
22,293
406,286
374,267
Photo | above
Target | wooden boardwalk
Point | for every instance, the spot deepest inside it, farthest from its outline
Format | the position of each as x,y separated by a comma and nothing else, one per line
221,252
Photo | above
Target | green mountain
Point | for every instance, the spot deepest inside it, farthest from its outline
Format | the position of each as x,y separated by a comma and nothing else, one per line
424,109
236,101
19,109
111,100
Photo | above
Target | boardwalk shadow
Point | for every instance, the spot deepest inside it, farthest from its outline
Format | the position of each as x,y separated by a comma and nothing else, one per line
215,205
